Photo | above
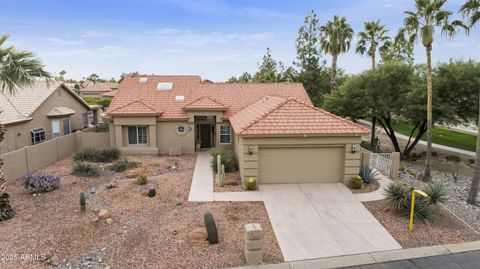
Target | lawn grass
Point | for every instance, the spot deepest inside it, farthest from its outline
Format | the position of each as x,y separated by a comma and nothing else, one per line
441,136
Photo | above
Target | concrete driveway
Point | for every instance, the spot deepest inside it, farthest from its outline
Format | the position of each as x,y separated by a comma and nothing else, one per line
321,220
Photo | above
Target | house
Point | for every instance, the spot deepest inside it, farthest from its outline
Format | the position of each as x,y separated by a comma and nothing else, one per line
97,89
40,112
274,129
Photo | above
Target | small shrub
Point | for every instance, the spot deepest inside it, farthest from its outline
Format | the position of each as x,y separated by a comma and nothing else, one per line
250,184
421,210
142,179
95,155
228,159
436,191
102,128
122,165
452,158
84,169
356,182
37,182
455,176
368,174
397,195
211,228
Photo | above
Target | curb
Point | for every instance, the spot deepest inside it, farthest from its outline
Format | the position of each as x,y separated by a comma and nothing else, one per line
372,257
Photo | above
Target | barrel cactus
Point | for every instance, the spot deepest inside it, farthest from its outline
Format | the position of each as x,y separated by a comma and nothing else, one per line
357,182
152,192
250,184
211,228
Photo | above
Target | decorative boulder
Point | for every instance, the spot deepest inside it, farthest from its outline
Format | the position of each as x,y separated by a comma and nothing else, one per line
198,234
152,192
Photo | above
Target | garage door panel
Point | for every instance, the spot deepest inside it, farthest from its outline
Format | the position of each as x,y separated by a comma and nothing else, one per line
300,165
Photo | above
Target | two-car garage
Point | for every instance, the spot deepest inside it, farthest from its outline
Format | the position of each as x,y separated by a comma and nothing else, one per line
301,164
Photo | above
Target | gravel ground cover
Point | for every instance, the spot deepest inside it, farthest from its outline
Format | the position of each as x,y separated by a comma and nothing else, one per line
233,182
442,228
373,186
140,231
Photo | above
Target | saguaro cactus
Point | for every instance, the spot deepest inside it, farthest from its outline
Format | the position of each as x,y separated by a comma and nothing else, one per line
222,175
211,228
82,202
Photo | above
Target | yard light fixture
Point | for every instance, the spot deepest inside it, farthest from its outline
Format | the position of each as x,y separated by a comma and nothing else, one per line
354,148
250,150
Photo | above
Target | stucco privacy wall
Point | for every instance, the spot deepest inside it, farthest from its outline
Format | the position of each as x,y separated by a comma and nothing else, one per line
30,158
248,163
60,97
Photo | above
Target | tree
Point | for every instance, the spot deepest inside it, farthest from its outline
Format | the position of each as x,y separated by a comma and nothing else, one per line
268,69
232,79
471,10
335,39
18,69
245,77
421,24
61,74
93,77
371,39
312,73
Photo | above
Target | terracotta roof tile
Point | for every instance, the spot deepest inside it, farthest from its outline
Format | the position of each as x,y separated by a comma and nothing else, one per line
136,107
205,103
280,116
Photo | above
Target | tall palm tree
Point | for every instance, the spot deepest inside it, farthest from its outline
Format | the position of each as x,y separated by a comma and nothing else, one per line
372,38
18,68
335,38
421,24
471,10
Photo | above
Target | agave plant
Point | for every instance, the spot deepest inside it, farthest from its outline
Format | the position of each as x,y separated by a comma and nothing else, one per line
368,174
397,195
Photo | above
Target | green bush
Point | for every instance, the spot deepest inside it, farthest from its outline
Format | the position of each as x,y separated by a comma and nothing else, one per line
356,182
122,165
142,179
368,174
95,155
436,191
397,195
84,169
102,128
422,208
229,160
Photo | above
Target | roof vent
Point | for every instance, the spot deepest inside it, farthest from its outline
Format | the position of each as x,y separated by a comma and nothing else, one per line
164,86
180,98
143,80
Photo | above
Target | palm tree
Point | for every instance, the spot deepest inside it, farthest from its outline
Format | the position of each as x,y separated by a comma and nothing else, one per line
335,38
421,24
18,68
471,10
372,38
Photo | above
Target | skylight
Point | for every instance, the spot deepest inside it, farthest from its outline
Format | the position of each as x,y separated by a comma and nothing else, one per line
180,98
164,86
143,80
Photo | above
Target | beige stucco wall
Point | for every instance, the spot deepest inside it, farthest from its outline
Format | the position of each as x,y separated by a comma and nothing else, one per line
167,137
18,135
248,164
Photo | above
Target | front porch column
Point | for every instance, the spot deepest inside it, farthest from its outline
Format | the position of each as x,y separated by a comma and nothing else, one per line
152,132
118,136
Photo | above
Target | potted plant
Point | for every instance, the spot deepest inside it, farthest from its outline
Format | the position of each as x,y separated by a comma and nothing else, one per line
199,143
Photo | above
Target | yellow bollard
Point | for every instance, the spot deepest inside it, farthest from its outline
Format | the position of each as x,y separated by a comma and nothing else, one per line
412,207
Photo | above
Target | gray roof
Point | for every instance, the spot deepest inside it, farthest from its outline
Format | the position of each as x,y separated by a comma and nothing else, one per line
21,105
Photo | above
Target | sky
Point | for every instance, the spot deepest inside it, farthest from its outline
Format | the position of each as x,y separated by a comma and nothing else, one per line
212,38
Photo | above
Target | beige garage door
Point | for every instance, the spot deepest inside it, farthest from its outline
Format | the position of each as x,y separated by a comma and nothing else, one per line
301,165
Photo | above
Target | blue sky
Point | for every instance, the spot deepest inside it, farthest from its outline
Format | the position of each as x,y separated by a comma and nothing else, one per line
212,38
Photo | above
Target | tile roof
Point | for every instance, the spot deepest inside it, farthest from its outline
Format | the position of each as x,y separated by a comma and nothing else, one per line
137,107
282,116
21,105
99,86
205,103
60,111
234,96
109,93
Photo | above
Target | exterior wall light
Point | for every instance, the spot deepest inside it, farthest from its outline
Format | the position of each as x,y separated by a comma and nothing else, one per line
354,148
250,150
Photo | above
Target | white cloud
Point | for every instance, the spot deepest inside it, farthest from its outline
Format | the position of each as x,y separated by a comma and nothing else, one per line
62,42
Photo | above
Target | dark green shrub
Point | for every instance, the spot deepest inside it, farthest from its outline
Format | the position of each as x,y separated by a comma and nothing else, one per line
84,169
368,174
397,195
142,179
102,128
356,182
211,228
95,155
229,160
122,165
436,191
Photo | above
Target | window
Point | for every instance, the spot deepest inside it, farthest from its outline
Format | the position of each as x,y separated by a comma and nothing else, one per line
38,135
56,128
225,134
181,130
85,119
137,135
66,126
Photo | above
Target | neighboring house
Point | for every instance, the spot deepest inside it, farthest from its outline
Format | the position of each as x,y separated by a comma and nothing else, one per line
96,90
41,112
275,131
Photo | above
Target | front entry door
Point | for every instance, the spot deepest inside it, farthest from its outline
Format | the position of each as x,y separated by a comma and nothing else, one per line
206,135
